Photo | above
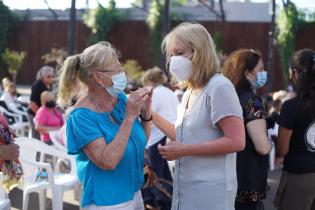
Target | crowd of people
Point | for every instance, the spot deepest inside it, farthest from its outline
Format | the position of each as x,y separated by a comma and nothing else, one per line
214,123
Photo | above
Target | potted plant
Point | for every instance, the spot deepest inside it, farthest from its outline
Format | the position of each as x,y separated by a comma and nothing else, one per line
14,60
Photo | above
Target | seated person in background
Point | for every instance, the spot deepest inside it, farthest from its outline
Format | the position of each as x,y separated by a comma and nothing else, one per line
9,154
5,81
9,94
48,117
44,80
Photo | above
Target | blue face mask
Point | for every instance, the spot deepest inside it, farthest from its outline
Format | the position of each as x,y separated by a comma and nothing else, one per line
119,84
261,79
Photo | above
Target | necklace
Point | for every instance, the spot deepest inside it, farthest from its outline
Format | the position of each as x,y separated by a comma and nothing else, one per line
103,108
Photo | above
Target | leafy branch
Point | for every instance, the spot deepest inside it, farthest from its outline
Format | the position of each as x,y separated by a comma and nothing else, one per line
101,20
288,22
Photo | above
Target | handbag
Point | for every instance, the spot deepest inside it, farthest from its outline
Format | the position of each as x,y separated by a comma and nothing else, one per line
157,192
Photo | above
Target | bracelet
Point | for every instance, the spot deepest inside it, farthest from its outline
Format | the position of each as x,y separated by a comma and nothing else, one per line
145,120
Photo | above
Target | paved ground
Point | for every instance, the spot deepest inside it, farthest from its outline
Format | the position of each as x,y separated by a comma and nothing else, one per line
16,196
273,181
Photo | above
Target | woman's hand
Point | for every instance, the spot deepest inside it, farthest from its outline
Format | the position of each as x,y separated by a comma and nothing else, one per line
172,150
9,152
146,107
135,102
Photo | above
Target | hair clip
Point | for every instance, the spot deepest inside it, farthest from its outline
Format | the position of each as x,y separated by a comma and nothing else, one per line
77,65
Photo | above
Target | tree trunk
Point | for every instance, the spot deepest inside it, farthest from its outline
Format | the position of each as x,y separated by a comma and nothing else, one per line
165,29
272,4
71,30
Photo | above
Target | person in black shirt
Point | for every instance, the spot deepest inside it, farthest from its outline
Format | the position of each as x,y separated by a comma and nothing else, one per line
44,80
296,137
245,70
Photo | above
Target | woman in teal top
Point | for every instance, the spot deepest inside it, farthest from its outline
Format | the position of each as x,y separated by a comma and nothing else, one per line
103,130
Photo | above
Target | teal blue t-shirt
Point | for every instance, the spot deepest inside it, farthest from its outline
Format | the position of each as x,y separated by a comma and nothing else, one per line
106,187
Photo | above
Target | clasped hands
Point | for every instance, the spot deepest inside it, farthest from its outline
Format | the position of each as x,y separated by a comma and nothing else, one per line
140,100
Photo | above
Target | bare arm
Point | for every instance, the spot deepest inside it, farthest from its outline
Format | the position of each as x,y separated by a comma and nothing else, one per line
9,152
146,125
45,129
107,156
233,140
33,106
164,125
283,141
257,131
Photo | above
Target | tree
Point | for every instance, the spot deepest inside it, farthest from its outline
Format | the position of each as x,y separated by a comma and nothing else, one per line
14,60
8,20
56,57
210,7
155,24
101,20
71,30
288,23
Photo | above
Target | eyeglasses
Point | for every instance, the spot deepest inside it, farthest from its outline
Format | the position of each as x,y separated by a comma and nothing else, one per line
104,72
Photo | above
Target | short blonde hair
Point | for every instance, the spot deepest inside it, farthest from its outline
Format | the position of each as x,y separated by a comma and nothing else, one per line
155,76
205,62
76,70
46,95
5,82
9,85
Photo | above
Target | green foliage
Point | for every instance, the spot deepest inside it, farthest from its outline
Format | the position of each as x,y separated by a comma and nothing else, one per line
134,71
101,20
8,20
217,38
55,56
287,26
175,3
178,17
308,15
155,23
14,60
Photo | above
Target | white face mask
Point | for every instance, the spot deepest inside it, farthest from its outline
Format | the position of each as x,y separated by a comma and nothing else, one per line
181,68
119,84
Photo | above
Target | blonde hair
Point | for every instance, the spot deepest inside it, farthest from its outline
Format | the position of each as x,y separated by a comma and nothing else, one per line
155,76
9,85
76,70
46,94
5,82
205,62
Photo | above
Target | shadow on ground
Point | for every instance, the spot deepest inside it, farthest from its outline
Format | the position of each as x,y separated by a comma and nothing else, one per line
16,197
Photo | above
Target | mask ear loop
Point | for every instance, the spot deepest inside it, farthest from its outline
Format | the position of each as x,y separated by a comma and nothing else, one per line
192,55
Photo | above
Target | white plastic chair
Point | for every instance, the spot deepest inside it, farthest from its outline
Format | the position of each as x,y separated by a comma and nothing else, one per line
57,182
54,137
24,99
14,108
19,126
5,203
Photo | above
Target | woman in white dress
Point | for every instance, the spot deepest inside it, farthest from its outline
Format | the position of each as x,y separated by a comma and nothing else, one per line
209,129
